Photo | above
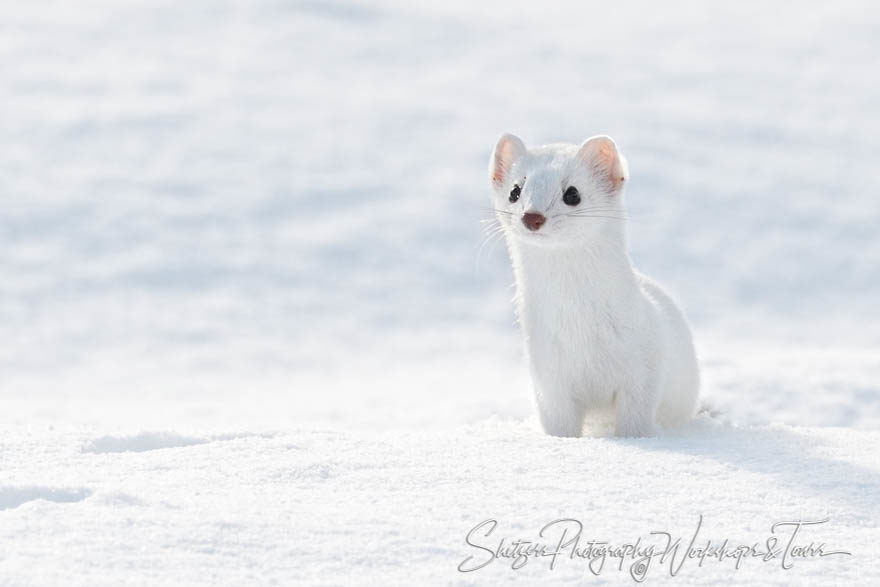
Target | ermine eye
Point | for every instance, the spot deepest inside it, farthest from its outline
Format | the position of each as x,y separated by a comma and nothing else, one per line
571,196
514,193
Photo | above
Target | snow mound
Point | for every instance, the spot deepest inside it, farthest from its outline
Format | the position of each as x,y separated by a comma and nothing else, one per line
147,441
141,442
12,497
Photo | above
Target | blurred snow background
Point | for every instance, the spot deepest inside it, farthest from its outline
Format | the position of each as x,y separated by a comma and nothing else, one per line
211,208
264,215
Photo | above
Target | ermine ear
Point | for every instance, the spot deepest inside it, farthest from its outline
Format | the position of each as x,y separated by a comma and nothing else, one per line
507,151
601,155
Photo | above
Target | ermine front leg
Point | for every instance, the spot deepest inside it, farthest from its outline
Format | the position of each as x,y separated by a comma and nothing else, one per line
559,412
635,410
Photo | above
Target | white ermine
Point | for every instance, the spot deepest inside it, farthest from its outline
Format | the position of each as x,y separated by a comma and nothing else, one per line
599,335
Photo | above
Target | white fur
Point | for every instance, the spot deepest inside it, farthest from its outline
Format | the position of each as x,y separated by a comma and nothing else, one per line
598,334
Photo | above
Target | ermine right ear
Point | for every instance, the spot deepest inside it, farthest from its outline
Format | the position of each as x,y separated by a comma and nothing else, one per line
507,151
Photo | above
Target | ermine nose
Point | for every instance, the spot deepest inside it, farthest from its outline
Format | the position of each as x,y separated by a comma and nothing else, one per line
533,220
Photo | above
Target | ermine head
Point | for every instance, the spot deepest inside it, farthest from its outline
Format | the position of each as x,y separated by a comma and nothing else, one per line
557,194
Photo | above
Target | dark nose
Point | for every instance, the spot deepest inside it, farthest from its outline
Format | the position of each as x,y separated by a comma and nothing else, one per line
533,220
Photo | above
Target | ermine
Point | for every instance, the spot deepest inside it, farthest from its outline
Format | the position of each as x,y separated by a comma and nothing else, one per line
598,334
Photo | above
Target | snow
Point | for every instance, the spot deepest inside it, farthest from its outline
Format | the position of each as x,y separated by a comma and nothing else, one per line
323,506
251,333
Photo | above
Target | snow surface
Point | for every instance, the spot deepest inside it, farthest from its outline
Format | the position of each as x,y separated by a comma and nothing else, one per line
251,335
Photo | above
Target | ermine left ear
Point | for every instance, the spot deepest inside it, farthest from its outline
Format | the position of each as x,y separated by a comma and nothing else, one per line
508,149
601,155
